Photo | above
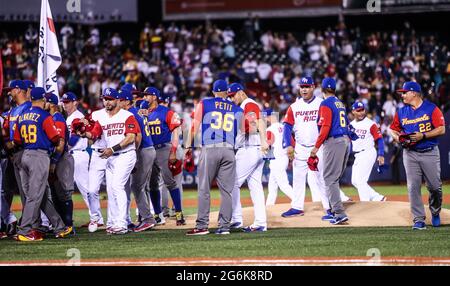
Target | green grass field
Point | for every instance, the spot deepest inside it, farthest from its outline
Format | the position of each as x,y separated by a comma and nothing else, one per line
300,242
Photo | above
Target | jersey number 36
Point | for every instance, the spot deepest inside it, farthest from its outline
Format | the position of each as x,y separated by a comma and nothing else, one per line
224,122
29,133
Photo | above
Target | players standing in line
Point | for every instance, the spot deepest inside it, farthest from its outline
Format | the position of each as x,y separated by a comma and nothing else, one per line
218,119
278,177
301,118
77,148
145,158
36,132
164,126
416,126
333,125
365,153
252,146
118,129
61,177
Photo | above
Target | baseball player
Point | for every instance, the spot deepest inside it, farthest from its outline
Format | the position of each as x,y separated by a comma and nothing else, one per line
333,135
77,148
218,119
117,128
366,155
36,132
62,182
301,118
145,157
164,127
252,146
278,176
416,127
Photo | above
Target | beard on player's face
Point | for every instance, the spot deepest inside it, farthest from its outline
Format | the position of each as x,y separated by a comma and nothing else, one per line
110,105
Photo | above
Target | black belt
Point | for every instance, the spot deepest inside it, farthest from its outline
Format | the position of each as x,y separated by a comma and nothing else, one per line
356,152
160,146
423,150
72,151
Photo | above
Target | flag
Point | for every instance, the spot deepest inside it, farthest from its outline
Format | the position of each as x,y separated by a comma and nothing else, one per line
49,55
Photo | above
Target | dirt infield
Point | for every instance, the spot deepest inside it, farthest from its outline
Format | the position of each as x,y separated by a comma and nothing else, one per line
242,261
245,201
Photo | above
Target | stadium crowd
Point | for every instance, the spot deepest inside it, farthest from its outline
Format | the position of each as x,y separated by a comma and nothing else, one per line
182,62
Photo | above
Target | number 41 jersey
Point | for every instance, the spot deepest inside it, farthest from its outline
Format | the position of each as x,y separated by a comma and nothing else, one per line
220,120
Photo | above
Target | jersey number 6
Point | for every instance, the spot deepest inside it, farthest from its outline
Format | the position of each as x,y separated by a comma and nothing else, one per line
224,122
342,118
29,133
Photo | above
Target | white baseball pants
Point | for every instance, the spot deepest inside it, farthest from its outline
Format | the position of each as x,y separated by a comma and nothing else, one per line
96,175
249,167
278,179
362,167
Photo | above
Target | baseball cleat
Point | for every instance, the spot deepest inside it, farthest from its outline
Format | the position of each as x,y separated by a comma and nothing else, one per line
131,226
143,227
328,216
3,235
198,231
293,212
31,236
160,220
236,225
180,218
11,229
436,220
93,226
419,225
254,229
339,220
119,230
222,231
65,232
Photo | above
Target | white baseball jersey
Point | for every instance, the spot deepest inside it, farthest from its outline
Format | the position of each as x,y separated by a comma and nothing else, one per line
303,117
368,132
251,108
82,142
275,133
116,127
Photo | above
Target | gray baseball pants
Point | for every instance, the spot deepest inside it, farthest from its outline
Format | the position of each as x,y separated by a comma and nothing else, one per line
335,156
18,172
428,166
64,184
35,168
216,163
139,179
161,167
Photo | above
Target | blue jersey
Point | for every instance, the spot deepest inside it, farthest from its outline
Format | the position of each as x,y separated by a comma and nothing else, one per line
332,111
14,115
423,119
162,121
220,121
61,126
145,129
36,129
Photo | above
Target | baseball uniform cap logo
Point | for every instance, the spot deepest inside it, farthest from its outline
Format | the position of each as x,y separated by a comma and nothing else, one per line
37,93
329,82
234,88
410,86
220,86
111,93
69,96
358,105
306,81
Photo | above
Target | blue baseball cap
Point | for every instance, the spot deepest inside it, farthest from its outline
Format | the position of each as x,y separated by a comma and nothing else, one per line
268,112
110,93
410,86
51,98
220,85
152,91
329,82
358,105
144,105
68,97
138,102
37,93
125,95
28,83
17,83
164,98
131,88
306,81
234,88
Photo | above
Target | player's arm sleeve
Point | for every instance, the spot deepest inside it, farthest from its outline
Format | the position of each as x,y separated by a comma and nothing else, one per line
50,130
96,131
73,140
395,125
172,120
131,125
377,137
270,137
61,127
325,117
17,138
287,135
196,116
437,118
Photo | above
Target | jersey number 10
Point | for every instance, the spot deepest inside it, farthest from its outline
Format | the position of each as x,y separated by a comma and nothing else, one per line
29,133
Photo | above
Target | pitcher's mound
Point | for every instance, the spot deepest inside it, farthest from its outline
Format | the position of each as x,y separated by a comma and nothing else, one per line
361,214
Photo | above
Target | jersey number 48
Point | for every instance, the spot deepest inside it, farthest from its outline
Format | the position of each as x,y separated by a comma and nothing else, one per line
29,133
